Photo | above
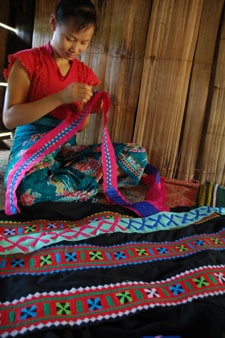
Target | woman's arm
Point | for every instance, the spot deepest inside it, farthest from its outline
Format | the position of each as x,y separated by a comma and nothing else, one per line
17,111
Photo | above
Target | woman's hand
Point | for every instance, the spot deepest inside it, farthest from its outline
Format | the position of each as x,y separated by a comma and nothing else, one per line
76,92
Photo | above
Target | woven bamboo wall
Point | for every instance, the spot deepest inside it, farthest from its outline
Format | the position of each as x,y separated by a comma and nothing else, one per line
162,62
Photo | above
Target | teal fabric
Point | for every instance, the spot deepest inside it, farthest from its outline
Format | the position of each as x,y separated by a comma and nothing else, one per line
72,172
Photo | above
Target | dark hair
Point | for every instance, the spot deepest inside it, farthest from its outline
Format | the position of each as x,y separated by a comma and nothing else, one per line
82,12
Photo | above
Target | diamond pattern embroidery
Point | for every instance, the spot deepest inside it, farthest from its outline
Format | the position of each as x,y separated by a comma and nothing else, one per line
221,277
45,260
182,248
30,228
142,252
124,297
95,255
120,255
200,282
176,289
71,256
199,242
152,293
63,308
217,240
28,312
162,250
17,263
9,232
94,304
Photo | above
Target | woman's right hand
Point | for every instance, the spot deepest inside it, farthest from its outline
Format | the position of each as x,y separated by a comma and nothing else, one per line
76,92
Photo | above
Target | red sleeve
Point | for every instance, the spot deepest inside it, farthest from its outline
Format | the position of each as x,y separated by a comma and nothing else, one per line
86,74
26,58
92,78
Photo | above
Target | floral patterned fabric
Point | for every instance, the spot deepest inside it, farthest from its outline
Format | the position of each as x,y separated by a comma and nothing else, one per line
73,172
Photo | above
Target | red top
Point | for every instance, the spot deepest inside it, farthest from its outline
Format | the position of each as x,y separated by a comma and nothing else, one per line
46,77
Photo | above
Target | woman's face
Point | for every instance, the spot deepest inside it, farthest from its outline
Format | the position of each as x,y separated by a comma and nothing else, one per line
66,43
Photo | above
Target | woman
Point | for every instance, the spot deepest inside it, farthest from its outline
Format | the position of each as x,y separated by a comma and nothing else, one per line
46,86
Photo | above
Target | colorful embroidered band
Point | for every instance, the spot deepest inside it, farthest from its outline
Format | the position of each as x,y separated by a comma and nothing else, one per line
98,303
24,237
75,257
155,196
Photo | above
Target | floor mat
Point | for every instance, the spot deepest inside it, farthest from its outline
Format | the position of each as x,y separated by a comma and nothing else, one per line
181,193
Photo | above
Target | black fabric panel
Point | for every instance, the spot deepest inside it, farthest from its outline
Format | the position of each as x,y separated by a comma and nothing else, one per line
202,318
63,211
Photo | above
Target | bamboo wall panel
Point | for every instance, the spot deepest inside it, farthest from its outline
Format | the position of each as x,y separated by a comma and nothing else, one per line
172,36
42,32
196,107
213,155
117,56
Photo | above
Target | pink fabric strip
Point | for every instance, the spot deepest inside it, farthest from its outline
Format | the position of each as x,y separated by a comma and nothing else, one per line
110,182
48,143
155,200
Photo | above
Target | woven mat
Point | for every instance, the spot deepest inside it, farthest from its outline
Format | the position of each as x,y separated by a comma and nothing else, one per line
178,193
181,193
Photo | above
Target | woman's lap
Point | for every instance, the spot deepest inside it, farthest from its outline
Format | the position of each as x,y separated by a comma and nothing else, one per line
75,173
